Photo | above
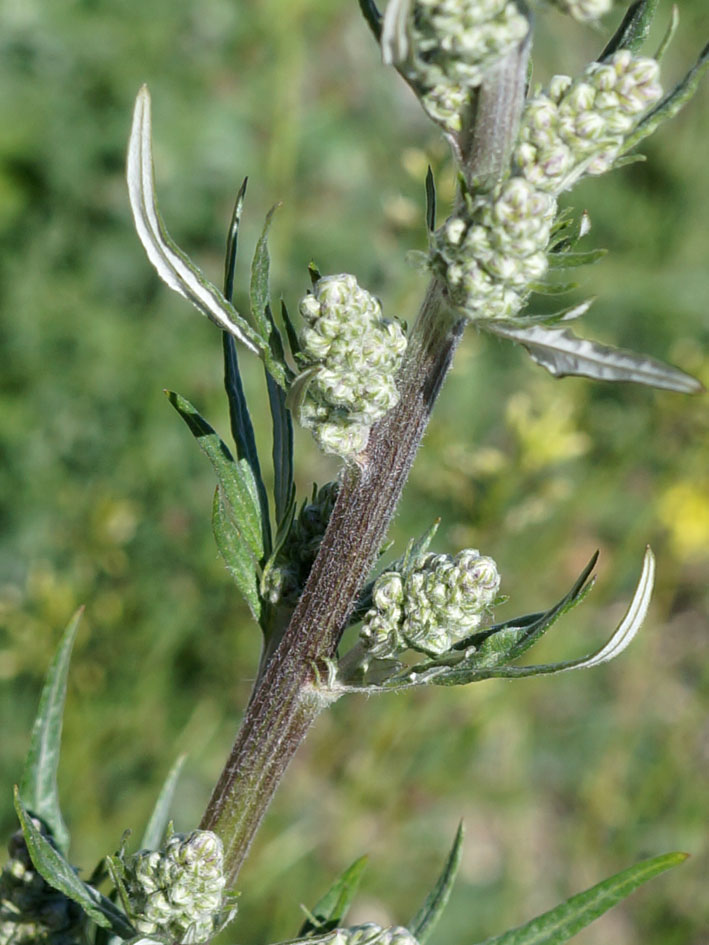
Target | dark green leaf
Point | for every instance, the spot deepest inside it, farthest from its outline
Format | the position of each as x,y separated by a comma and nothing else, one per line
260,271
235,478
430,200
671,103
425,919
332,907
562,353
283,482
234,551
232,241
560,924
243,432
38,785
155,830
633,30
56,871
291,333
372,16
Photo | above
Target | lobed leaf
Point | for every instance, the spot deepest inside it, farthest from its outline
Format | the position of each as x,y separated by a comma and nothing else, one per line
331,908
38,784
425,919
560,924
160,816
59,874
562,353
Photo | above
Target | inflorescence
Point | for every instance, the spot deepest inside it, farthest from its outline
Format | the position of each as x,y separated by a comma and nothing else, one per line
584,10
492,252
436,602
354,354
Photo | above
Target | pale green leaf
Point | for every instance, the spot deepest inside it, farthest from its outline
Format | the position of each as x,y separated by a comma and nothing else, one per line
562,353
38,785
425,919
234,551
562,923
331,908
155,829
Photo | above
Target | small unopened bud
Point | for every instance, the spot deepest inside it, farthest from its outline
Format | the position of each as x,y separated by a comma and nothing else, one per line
584,10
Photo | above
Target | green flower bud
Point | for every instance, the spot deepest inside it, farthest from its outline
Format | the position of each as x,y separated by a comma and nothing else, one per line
438,601
31,911
177,893
359,353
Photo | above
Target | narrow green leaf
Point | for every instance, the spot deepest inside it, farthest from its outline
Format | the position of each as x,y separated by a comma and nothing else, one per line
260,271
173,266
633,30
430,200
425,919
560,924
234,551
568,260
672,103
291,334
372,16
235,478
669,34
155,829
38,784
562,353
331,909
232,241
282,423
56,871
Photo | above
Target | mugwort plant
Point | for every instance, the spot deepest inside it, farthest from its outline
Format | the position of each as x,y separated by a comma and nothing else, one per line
364,385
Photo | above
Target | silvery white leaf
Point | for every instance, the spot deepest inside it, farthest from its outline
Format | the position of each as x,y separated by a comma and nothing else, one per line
395,37
563,353
172,265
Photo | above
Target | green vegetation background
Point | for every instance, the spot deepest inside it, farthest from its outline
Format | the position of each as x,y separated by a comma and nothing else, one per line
105,500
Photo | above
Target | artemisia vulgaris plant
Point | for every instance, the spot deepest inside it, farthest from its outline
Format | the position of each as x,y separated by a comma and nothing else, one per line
364,386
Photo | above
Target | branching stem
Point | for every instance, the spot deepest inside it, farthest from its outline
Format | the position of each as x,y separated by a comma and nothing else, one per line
285,702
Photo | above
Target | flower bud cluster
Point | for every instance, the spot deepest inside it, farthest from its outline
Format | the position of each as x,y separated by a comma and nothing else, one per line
285,580
434,604
491,253
357,353
177,892
31,912
369,933
579,127
453,44
584,10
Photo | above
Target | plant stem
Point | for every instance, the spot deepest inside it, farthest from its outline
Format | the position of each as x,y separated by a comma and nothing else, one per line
285,703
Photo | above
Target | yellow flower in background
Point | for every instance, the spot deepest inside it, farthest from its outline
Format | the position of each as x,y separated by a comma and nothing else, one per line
546,433
684,511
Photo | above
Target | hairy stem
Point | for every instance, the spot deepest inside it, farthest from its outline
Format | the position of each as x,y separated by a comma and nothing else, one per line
285,703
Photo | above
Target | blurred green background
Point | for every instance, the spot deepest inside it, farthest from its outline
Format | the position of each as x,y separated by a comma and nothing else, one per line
105,500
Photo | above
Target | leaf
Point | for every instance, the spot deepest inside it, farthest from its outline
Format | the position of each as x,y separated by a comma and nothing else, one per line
430,200
172,265
569,260
38,784
425,919
669,34
671,104
560,924
633,30
235,477
243,432
283,481
562,353
291,334
234,551
155,829
56,871
395,35
232,241
372,16
331,908
260,271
